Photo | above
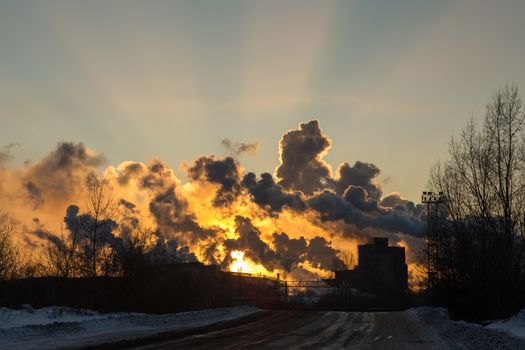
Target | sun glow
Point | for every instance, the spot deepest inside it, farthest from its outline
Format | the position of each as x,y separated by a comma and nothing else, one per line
245,265
239,264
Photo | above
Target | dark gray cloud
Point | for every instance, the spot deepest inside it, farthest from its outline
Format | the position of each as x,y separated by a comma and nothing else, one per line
358,209
332,207
68,155
269,195
302,167
167,251
71,219
360,174
238,148
359,198
45,235
352,196
392,200
61,173
210,252
131,170
321,255
409,217
404,219
157,176
34,193
83,225
251,243
290,252
172,217
223,172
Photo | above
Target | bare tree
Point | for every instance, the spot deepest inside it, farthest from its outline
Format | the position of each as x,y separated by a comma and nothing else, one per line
97,225
9,256
481,246
61,256
134,245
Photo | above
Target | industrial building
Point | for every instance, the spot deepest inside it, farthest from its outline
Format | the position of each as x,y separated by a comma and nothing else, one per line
381,271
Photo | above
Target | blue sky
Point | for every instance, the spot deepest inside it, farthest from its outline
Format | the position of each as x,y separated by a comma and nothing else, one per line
390,81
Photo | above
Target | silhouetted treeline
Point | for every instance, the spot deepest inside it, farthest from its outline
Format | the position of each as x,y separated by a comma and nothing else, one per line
9,257
481,247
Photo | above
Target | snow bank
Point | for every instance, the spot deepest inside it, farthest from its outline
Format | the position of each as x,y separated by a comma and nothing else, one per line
514,325
470,335
66,328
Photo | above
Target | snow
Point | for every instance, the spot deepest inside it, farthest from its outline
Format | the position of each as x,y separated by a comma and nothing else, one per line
469,335
514,325
59,327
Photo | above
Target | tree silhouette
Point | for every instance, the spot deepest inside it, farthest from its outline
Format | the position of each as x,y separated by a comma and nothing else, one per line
481,245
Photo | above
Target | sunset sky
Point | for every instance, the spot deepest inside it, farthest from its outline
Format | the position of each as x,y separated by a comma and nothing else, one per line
389,81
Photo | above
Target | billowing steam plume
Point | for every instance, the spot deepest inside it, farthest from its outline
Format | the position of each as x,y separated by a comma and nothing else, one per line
300,221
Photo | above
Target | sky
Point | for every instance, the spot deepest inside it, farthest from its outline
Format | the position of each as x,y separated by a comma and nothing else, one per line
390,82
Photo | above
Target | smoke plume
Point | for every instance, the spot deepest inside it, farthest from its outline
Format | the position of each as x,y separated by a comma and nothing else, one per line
302,166
296,222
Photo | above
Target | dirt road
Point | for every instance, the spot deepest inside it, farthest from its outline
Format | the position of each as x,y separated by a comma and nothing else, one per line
317,330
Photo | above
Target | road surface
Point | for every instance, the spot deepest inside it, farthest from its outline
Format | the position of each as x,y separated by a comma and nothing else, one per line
316,330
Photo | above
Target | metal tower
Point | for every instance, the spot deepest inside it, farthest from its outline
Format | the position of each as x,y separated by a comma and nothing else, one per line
432,200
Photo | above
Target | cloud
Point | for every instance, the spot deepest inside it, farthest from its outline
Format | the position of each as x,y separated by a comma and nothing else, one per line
267,194
238,148
167,251
34,194
130,170
223,172
174,219
61,174
251,243
393,199
41,233
360,174
82,224
302,166
360,199
288,253
291,252
157,176
321,255
356,208
294,221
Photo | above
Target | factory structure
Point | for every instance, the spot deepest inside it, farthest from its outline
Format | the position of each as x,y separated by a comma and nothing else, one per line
381,271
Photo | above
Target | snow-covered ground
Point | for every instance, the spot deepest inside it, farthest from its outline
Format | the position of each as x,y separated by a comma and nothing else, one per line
496,335
66,328
61,327
514,325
